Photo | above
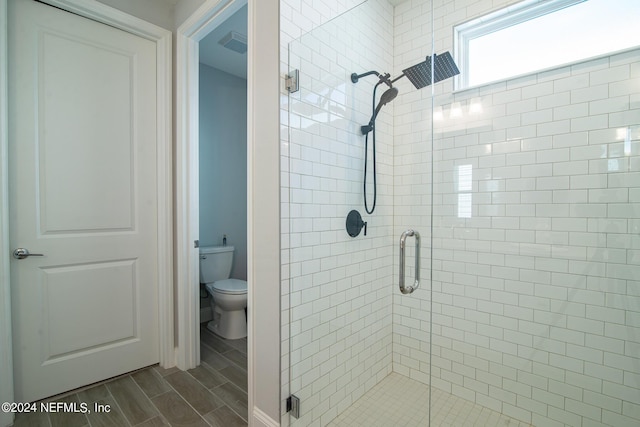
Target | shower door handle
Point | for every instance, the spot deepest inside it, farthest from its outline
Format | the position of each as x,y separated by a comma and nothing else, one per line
408,289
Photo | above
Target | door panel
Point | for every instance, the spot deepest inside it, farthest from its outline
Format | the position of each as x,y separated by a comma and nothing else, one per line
102,135
83,192
111,283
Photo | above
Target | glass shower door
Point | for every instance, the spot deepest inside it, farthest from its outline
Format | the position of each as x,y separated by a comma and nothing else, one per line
340,289
535,240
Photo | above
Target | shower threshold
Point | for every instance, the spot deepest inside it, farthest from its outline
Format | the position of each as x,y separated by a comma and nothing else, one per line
401,401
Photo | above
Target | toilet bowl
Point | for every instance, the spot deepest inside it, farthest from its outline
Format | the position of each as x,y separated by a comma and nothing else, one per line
228,301
228,296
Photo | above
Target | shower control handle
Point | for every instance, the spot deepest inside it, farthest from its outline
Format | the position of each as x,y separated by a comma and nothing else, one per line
409,289
355,223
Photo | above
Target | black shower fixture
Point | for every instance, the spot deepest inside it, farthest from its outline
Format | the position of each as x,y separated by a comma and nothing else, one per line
387,96
421,75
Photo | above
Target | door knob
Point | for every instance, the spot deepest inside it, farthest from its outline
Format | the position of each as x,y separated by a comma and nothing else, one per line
22,253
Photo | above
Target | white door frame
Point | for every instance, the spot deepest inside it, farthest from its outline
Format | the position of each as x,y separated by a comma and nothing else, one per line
211,14
6,352
263,197
162,38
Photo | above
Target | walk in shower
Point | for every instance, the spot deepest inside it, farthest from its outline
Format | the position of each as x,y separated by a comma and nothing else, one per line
525,194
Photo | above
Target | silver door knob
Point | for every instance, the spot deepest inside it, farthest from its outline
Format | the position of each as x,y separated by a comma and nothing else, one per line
22,253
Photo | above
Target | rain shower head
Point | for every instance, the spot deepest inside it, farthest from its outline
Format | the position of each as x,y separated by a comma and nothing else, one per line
420,74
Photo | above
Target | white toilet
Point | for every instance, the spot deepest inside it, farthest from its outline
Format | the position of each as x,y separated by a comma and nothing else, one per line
229,296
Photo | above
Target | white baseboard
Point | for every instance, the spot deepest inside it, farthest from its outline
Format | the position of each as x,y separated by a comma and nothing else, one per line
260,419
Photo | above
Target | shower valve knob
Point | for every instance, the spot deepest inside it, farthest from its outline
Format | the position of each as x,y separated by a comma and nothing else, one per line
355,224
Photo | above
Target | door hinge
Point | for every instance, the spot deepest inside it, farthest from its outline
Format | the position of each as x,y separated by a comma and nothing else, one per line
292,81
293,405
196,243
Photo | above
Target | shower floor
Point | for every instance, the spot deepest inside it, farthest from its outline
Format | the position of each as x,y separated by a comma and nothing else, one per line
401,401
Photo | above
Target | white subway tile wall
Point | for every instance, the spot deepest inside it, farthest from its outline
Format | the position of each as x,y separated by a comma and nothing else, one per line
336,324
536,260
535,307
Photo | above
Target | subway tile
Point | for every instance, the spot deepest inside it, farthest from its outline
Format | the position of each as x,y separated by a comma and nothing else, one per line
590,93
542,395
621,392
585,410
570,83
554,127
557,99
593,122
615,419
571,111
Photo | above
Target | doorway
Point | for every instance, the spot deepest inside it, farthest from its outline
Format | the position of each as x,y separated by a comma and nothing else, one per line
263,173
222,176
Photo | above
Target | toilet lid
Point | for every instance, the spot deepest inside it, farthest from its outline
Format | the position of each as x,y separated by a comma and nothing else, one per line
231,286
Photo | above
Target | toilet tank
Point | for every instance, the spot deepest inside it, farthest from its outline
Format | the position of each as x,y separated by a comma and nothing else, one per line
215,263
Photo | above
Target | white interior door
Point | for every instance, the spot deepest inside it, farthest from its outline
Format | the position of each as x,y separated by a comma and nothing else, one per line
83,192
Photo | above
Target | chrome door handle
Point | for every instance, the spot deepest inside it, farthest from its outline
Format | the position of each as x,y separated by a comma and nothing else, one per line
22,253
403,238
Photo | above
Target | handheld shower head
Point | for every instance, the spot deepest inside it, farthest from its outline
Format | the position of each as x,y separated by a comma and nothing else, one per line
388,96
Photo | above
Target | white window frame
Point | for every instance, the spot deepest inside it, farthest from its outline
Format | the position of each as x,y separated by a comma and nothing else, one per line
495,21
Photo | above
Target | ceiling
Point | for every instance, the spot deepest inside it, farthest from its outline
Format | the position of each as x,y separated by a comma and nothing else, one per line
215,55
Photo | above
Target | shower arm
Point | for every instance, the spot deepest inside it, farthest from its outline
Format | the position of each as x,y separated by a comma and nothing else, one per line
384,78
355,77
397,78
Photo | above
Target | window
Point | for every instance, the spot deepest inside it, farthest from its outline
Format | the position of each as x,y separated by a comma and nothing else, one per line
539,34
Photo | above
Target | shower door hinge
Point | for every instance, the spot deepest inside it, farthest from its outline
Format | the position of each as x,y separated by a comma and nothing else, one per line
292,81
293,405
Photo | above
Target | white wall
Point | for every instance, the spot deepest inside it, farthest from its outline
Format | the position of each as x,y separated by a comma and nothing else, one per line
223,163
184,9
158,12
536,308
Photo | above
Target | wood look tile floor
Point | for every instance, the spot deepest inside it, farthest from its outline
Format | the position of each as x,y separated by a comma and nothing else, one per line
213,394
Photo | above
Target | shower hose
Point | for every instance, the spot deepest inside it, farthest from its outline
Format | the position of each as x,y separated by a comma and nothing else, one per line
366,155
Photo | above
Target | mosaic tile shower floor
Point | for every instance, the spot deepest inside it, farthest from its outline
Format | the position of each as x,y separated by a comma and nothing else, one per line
401,401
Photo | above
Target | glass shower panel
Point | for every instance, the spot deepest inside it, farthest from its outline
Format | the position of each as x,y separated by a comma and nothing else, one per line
348,324
536,239
340,287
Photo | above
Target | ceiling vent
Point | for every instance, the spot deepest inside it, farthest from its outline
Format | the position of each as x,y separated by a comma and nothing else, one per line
235,42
